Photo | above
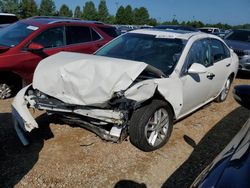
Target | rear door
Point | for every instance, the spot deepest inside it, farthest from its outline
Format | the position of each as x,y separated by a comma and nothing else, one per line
220,56
81,39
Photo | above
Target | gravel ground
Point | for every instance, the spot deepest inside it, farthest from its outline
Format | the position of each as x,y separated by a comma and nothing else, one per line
64,156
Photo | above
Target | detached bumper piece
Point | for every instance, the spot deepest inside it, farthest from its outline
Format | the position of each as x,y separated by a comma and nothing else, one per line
107,124
23,121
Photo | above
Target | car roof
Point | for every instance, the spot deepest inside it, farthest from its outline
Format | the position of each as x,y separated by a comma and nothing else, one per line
44,20
6,14
176,27
168,33
209,28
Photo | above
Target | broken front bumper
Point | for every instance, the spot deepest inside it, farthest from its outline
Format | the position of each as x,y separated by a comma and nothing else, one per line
25,123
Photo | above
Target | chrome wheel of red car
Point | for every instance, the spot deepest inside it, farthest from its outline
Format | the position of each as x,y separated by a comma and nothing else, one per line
5,91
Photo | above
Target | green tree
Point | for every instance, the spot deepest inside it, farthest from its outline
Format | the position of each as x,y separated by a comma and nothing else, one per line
78,12
141,16
120,14
9,6
103,13
111,19
89,11
47,8
152,22
174,22
128,15
65,11
27,8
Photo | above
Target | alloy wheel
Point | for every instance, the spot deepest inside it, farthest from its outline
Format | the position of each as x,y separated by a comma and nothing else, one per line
157,127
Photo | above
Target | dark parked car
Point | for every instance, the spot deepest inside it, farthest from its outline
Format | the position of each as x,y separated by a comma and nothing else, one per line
25,43
176,27
7,19
231,168
239,41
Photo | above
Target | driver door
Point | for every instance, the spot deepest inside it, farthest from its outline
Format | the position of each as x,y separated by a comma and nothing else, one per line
197,86
52,40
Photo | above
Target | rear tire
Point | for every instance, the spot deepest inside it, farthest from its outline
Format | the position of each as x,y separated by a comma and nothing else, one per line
224,93
151,125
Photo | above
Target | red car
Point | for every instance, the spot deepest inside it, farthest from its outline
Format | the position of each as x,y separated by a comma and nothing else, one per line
25,43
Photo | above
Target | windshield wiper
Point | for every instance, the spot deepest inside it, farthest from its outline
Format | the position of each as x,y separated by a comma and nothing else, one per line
156,71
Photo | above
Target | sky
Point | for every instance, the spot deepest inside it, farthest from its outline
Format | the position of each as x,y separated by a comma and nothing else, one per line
233,12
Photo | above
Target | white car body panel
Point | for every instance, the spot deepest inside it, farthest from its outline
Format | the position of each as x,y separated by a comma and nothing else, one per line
91,80
20,105
144,90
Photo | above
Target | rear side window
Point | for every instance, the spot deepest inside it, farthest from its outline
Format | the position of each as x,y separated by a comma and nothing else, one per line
95,35
78,34
51,38
218,50
110,31
7,19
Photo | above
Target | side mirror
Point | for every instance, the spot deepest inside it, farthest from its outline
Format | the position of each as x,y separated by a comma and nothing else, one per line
197,68
241,94
34,47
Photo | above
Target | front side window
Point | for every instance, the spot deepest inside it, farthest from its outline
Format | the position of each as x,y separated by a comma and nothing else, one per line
199,53
110,31
218,51
78,34
162,53
14,34
51,38
95,35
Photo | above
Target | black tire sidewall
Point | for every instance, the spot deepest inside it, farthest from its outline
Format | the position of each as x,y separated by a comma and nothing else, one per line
219,99
139,121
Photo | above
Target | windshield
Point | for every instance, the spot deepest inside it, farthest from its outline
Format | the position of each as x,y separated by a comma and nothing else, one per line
12,35
161,53
239,35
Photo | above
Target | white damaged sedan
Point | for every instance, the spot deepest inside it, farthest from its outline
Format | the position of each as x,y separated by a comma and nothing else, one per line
137,85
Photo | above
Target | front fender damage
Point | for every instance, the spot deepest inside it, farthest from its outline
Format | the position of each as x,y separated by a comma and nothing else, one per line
170,90
110,122
90,117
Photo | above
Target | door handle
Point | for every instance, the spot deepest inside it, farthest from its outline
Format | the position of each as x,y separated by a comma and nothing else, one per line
210,76
228,64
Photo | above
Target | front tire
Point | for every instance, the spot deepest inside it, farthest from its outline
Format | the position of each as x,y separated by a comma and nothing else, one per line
224,93
151,126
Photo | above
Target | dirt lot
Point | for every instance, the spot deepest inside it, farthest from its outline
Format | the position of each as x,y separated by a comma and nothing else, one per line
64,156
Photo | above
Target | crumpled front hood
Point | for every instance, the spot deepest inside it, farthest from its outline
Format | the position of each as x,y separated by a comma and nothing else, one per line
83,79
